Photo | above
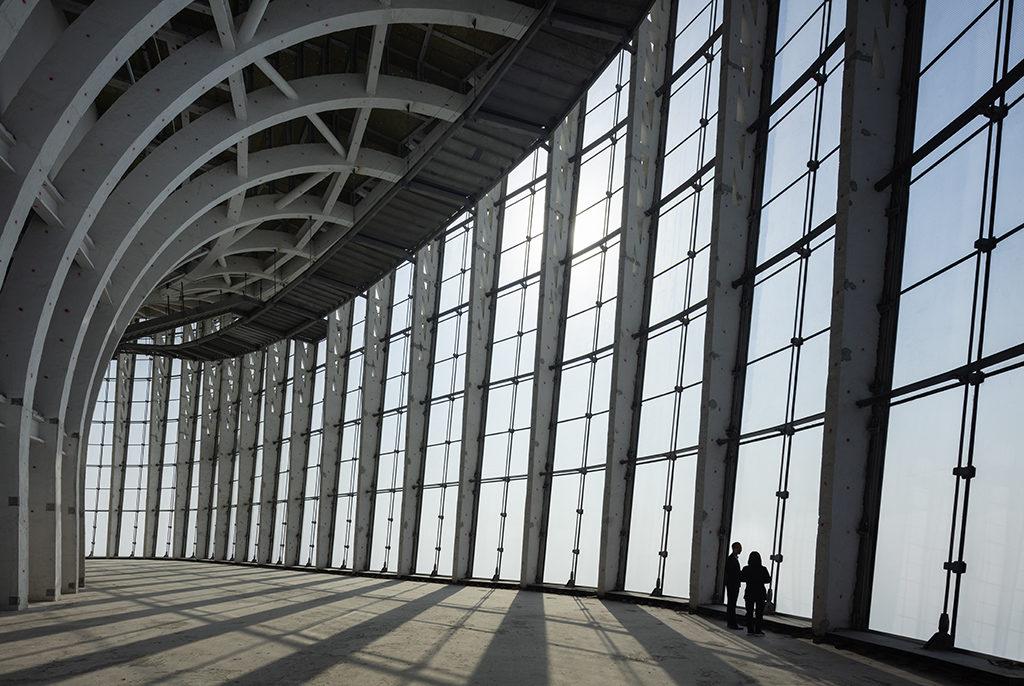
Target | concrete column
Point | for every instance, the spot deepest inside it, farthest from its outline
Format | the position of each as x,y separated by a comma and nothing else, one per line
14,527
188,410
748,38
871,115
248,423
227,452
159,391
378,324
83,447
45,458
651,61
212,382
124,384
273,407
426,285
71,514
304,376
560,202
339,336
490,213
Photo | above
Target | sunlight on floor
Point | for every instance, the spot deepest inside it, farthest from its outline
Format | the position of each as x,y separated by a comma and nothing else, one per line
146,621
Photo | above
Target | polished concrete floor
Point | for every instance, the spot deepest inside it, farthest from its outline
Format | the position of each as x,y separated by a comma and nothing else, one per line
148,622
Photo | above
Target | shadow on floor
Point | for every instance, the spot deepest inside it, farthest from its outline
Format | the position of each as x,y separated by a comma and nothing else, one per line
293,628
131,651
739,655
309,662
518,649
225,590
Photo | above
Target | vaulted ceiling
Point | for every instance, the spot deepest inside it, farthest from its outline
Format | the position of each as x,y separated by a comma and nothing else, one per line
264,162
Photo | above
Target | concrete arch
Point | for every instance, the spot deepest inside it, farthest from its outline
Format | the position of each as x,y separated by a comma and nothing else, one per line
235,264
49,106
112,145
264,240
186,221
51,102
65,335
12,16
91,172
83,382
44,257
259,209
263,208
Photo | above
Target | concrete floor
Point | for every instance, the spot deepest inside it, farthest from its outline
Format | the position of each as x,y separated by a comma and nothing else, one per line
146,621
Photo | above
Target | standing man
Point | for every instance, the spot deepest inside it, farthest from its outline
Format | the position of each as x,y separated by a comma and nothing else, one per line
732,584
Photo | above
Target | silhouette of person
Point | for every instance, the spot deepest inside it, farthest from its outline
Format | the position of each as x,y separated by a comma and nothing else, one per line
732,584
755,576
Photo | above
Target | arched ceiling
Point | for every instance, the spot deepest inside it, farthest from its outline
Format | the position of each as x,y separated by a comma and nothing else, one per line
267,159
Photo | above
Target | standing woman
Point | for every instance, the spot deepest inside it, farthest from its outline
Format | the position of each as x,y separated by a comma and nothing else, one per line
755,576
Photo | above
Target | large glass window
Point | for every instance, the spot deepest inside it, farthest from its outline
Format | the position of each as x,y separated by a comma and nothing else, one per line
661,523
581,435
234,407
391,457
311,487
348,458
99,455
133,506
948,543
499,538
168,472
444,423
201,420
776,497
255,449
284,459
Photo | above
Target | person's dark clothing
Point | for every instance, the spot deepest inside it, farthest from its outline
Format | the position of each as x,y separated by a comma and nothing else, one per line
732,593
732,571
732,588
755,579
755,615
755,594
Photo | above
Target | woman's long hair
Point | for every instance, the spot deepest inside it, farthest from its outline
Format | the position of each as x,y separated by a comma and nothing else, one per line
754,560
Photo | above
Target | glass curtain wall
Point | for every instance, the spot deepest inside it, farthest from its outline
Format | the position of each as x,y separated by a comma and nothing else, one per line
201,419
348,458
444,423
232,404
661,523
577,483
314,456
236,410
98,459
391,460
169,468
133,506
256,449
789,284
280,523
948,544
499,538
